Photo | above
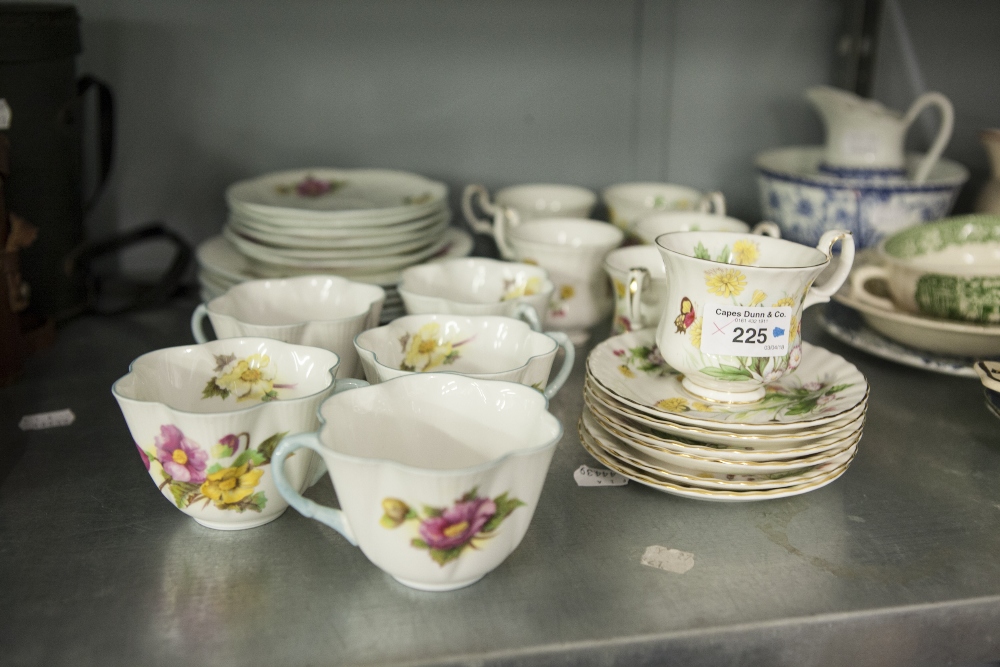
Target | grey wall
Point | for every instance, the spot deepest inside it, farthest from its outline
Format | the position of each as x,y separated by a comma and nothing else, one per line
589,92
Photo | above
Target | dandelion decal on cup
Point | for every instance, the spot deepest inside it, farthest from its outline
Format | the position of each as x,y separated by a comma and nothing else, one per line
725,282
447,532
745,252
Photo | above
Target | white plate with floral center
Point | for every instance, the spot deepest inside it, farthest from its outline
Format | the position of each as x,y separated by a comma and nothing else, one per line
631,472
655,440
710,479
337,194
822,389
768,441
319,250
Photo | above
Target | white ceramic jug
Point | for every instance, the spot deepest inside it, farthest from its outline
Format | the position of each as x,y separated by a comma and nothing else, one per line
866,139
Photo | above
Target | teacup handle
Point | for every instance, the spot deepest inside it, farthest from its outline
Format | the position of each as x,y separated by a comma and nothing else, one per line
500,230
767,228
333,518
943,135
569,357
198,324
475,223
823,293
860,278
713,202
633,296
527,312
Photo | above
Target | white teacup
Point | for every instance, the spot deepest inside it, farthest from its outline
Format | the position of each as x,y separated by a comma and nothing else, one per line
734,306
630,202
206,419
322,311
437,474
484,347
572,251
639,283
651,226
530,202
477,286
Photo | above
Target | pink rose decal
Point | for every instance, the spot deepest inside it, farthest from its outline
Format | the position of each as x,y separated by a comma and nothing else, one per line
313,187
181,458
447,532
457,525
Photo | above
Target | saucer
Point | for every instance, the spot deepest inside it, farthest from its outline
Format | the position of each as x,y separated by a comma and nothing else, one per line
943,337
849,327
822,389
631,472
721,444
720,475
359,197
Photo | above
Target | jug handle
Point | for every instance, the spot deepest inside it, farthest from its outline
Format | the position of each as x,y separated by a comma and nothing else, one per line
943,135
823,293
477,225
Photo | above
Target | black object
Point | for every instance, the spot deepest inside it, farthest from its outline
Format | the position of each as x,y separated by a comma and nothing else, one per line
38,48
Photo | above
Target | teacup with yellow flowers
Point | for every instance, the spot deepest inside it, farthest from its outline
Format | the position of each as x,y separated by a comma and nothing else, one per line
482,346
733,307
206,419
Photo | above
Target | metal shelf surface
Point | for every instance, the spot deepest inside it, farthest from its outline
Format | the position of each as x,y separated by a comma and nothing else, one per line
896,563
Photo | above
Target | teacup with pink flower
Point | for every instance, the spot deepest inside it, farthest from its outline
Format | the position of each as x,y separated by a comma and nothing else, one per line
437,474
207,418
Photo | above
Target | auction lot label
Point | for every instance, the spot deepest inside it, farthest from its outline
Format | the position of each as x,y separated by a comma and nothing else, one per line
743,331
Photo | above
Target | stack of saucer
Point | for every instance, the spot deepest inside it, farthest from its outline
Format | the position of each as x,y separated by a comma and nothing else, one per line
364,224
640,422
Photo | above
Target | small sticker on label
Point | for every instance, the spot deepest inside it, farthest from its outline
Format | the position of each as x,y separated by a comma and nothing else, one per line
44,420
587,476
671,560
746,331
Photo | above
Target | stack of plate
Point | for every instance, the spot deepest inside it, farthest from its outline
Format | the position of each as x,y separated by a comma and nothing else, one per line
365,224
640,422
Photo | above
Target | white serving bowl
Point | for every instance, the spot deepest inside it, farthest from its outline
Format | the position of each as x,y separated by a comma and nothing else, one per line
806,203
484,347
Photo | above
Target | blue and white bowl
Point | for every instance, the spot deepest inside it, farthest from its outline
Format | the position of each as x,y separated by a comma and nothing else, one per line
806,203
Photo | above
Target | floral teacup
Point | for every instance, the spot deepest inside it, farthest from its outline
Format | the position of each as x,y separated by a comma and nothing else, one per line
323,311
484,347
572,250
639,283
734,305
530,202
630,202
437,474
206,419
477,286
651,226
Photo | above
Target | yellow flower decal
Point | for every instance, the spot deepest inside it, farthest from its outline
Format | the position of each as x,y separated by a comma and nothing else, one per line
566,292
530,287
701,407
246,379
757,298
426,349
695,333
745,252
787,301
626,371
231,485
793,328
396,512
676,404
725,282
619,288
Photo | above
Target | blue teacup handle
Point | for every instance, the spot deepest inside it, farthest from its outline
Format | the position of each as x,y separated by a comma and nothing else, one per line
569,356
333,518
527,312
198,323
